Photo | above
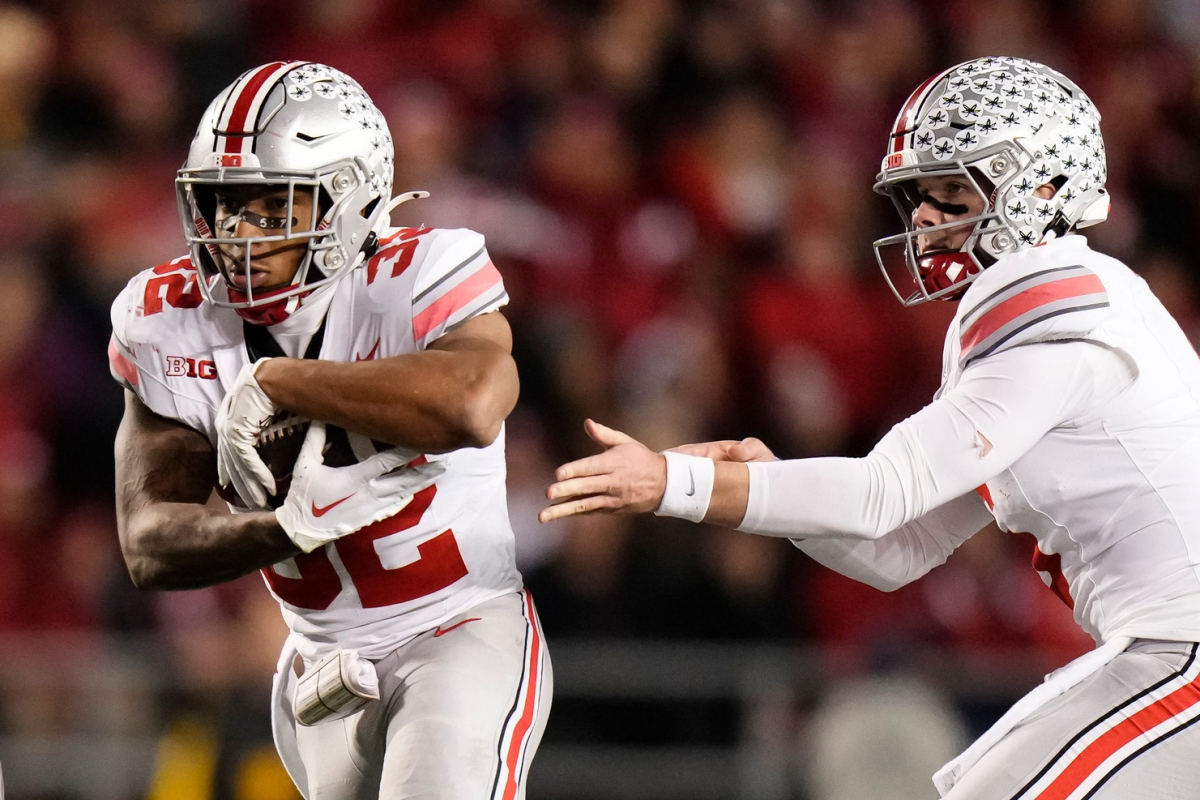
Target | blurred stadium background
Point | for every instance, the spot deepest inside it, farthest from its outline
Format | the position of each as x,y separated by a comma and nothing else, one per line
678,195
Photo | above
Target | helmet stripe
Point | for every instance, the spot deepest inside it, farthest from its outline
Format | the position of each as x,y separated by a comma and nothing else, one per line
246,100
903,124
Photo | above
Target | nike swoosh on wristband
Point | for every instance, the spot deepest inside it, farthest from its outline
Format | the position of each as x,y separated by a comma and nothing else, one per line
323,510
692,491
440,631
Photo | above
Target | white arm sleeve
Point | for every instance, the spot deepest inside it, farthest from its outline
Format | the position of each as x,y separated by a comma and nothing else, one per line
1000,409
907,553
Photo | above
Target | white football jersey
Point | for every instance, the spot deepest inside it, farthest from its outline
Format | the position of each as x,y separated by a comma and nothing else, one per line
1113,497
452,547
1070,402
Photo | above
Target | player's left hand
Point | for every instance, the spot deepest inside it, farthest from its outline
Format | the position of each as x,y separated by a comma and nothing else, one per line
627,478
326,503
245,413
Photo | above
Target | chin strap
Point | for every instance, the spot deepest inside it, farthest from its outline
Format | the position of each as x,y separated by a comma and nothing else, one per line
401,199
370,246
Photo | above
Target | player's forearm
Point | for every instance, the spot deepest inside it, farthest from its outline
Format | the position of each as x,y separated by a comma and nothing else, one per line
907,553
189,546
433,401
1002,407
731,491
171,537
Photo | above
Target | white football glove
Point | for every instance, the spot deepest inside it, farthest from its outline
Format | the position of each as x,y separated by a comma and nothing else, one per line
327,503
245,413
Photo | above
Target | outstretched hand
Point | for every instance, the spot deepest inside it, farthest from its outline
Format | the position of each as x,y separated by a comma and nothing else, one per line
627,478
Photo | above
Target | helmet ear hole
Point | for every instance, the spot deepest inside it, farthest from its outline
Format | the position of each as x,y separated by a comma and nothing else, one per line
985,184
324,204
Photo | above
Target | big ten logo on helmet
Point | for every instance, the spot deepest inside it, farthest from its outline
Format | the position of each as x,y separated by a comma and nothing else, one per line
180,367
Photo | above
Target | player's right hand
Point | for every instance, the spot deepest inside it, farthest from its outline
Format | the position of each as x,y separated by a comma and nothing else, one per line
245,413
743,451
326,503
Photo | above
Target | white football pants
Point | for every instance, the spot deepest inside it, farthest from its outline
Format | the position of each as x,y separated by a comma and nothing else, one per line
460,715
1126,732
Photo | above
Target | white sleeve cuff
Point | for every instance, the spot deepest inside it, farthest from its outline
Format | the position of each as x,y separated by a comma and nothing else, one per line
756,501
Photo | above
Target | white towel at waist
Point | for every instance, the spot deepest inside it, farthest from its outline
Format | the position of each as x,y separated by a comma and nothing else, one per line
1055,684
283,722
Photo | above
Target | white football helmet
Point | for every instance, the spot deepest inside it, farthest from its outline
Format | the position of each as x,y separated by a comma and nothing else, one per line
306,127
1009,126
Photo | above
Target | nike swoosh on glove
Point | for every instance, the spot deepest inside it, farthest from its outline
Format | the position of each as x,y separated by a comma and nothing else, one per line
327,503
245,413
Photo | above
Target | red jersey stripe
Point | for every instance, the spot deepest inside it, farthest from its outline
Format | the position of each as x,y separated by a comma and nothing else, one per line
122,365
241,106
986,494
1117,737
526,720
1052,566
454,300
1028,300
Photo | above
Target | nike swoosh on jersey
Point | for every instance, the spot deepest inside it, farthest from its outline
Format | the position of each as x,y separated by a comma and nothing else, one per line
369,356
442,631
323,510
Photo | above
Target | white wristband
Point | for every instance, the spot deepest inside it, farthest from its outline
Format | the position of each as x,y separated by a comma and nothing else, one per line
689,487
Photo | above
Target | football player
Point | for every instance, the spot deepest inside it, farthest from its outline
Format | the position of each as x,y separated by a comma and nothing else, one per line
387,544
1069,408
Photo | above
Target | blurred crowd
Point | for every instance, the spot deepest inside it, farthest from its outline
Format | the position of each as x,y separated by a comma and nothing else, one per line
678,193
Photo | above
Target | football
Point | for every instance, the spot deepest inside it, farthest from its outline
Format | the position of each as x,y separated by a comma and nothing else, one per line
279,447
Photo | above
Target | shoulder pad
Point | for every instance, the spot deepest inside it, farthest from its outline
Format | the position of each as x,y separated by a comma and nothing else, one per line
400,249
449,254
395,253
456,281
153,299
161,308
1010,305
448,278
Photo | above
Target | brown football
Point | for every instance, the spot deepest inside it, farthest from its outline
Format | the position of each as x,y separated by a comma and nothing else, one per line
279,447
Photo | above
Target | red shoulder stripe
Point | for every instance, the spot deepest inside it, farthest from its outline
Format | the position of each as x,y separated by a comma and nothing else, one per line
454,300
1026,301
120,364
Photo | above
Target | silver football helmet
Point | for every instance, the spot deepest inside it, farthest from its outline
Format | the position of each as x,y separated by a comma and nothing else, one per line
304,127
1009,126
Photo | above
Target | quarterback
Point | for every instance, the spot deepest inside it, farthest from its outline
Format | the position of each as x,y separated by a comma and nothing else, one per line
1069,408
343,385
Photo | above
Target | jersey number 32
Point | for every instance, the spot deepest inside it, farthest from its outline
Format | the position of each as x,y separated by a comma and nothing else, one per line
439,564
